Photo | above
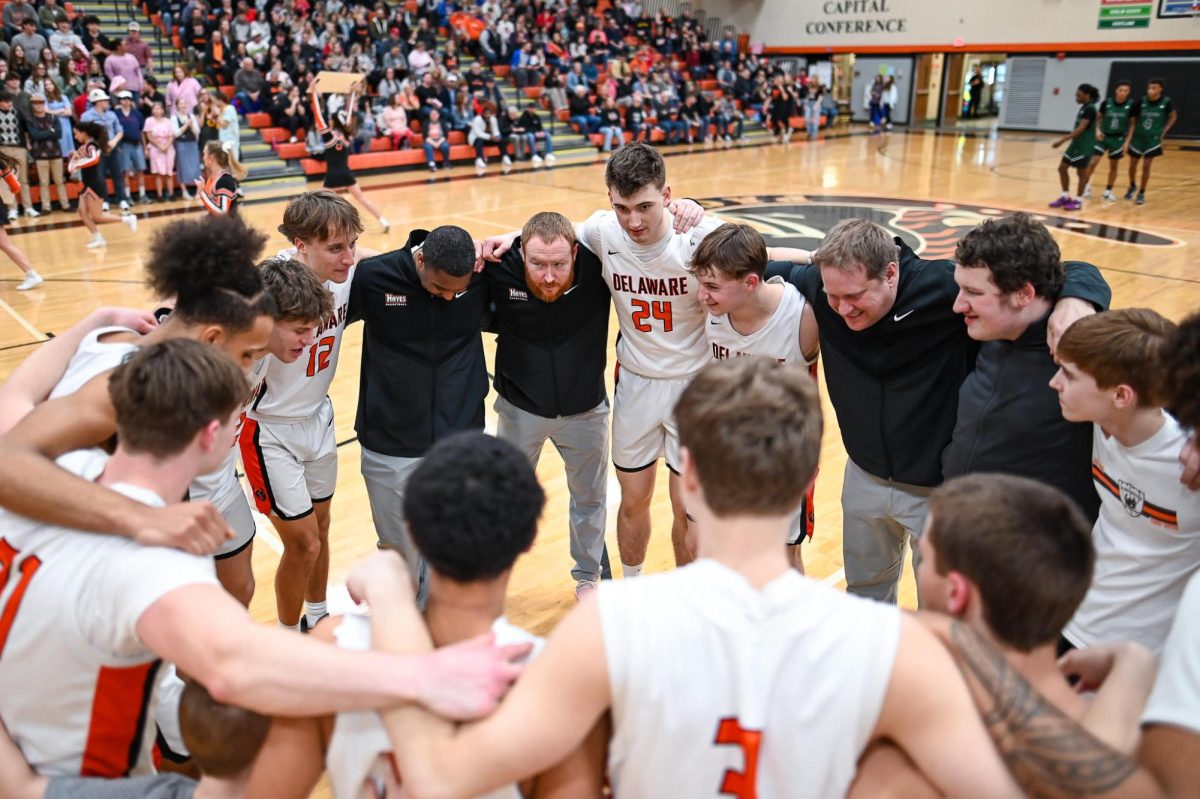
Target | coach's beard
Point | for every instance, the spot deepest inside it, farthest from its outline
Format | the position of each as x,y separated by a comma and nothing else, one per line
549,293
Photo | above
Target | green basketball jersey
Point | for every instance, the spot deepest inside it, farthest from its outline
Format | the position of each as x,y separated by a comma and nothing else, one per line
1086,141
1152,119
1114,119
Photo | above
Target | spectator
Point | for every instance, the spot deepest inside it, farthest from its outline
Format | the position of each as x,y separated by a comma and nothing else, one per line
226,119
36,81
14,86
484,131
65,42
29,39
811,105
493,47
45,147
258,47
14,14
60,108
159,135
695,114
121,65
611,127
395,122
552,87
780,109
435,140
249,83
138,47
72,80
431,96
50,15
131,148
576,78
98,45
582,112
419,60
151,95
186,129
829,106
183,87
670,121
12,144
535,133
727,115
527,66
290,111
873,102
388,86
637,118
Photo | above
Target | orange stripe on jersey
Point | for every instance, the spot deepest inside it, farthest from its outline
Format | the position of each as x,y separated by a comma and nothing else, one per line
118,719
256,470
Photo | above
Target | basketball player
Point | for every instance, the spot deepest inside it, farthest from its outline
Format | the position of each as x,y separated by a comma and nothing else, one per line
1079,154
423,372
750,315
661,345
1150,120
895,353
288,443
472,505
1113,135
551,308
1011,559
87,617
713,705
223,741
208,267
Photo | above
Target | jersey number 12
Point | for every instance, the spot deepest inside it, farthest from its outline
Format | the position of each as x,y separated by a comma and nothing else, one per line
318,355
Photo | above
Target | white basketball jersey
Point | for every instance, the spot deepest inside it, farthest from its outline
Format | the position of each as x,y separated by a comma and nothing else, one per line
779,338
207,486
719,688
655,295
78,682
93,357
359,748
295,391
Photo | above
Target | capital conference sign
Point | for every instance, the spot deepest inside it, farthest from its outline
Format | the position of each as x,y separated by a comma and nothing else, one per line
856,16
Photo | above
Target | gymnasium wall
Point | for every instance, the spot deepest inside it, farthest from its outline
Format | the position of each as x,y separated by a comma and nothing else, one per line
1040,92
982,25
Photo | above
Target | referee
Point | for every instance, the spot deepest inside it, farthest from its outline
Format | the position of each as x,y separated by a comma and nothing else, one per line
551,311
423,375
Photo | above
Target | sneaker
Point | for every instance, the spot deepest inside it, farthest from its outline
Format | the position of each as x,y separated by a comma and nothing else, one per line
144,199
13,213
47,210
506,161
304,628
1061,202
125,206
1132,191
1141,198
292,140
536,161
1072,205
96,242
1087,193
1108,195
550,159
104,206
432,167
583,588
32,280
31,213
480,163
130,220
386,225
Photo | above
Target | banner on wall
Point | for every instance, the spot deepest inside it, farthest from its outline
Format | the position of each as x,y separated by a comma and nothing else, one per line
1123,14
1175,9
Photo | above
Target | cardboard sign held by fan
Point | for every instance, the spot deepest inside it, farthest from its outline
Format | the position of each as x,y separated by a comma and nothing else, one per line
337,82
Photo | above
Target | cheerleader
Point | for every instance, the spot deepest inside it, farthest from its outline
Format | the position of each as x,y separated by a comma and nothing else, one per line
8,173
336,134
91,139
220,193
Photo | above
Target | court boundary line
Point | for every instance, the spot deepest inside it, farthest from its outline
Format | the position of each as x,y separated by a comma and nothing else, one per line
23,322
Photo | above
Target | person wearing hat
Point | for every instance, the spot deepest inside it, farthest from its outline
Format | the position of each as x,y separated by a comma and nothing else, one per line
101,113
131,148
12,145
138,47
45,145
258,46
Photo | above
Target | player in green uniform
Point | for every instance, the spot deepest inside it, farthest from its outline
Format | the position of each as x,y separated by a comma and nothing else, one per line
1079,153
1113,136
1149,121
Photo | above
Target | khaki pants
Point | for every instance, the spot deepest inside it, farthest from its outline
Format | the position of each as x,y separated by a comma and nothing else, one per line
21,156
51,169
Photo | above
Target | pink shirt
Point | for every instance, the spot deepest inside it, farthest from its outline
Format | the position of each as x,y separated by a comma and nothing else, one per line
127,67
139,50
189,90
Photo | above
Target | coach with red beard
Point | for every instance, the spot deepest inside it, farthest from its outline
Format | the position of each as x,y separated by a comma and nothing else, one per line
551,311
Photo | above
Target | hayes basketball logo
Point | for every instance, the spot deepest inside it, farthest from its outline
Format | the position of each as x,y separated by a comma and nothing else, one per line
930,228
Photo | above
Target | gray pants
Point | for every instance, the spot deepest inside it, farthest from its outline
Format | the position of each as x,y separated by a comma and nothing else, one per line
879,517
386,476
582,441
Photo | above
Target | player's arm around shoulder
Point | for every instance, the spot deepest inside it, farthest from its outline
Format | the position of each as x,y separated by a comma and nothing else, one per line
545,718
810,339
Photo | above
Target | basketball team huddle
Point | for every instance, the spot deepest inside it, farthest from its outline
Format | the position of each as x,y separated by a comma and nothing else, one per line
1000,421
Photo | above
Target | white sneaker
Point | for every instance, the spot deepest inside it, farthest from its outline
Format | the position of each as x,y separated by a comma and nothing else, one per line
506,161
480,163
432,167
1087,193
31,213
385,224
104,206
550,159
130,220
125,206
97,241
13,213
536,161
583,588
1108,195
32,280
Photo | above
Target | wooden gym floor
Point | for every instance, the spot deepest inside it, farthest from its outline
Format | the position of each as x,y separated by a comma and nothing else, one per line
935,184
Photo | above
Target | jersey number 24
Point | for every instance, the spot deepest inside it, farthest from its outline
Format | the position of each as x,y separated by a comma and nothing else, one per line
658,309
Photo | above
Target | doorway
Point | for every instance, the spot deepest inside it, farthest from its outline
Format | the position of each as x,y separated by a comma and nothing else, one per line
927,88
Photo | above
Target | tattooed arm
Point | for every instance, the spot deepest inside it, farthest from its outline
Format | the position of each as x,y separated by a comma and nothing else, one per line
1049,754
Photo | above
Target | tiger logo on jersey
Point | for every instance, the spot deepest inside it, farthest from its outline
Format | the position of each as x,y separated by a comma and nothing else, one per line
931,228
